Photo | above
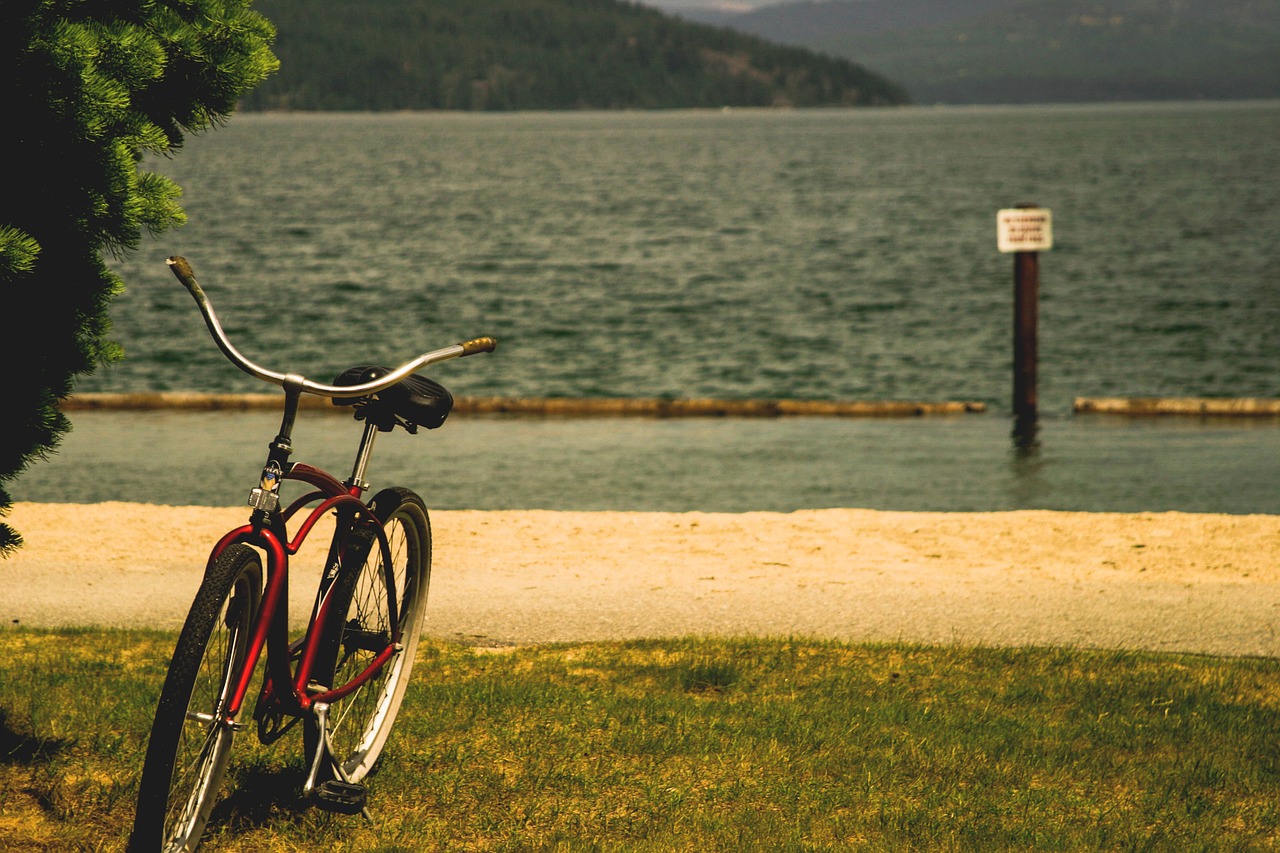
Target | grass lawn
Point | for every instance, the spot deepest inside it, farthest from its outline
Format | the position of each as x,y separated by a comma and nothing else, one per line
706,745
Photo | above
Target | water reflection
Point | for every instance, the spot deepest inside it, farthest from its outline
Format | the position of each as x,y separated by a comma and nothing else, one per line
1026,434
1030,488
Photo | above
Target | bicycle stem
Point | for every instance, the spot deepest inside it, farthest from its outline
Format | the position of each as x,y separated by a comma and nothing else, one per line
265,498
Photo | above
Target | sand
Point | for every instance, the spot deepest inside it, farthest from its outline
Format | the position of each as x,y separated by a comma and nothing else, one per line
1152,581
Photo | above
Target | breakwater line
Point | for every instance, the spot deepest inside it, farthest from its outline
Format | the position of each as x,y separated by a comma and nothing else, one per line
561,406
1239,407
1245,407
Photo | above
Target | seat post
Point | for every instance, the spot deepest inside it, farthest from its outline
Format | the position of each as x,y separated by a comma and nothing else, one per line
363,454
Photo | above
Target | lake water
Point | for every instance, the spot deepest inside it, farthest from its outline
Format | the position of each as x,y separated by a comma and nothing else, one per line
811,254
946,464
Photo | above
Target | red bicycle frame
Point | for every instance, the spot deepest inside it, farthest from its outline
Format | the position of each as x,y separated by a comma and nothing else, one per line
270,622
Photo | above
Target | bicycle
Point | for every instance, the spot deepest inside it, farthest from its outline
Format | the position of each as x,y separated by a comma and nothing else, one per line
344,678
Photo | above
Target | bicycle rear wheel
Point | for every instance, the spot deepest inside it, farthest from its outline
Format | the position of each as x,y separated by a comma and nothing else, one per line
374,602
190,741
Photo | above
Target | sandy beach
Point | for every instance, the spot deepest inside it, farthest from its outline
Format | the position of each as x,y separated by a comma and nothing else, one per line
1152,581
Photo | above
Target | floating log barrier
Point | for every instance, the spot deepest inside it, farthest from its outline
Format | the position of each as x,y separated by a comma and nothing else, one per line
1251,407
709,408
554,406
159,401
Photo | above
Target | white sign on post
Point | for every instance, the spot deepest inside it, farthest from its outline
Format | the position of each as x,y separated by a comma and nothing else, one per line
1024,229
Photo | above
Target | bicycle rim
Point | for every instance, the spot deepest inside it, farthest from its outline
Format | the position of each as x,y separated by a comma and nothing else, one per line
190,743
361,627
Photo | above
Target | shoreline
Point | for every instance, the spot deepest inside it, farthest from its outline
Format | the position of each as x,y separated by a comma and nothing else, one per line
555,406
1224,407
1168,581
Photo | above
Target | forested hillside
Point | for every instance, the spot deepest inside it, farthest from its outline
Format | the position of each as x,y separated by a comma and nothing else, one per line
1012,51
537,54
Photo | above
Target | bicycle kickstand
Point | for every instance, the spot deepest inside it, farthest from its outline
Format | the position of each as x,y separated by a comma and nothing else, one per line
338,794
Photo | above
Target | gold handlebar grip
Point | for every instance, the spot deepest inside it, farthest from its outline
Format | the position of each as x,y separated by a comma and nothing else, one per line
479,345
181,269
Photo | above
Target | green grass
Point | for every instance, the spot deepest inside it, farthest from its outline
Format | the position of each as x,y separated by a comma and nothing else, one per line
706,745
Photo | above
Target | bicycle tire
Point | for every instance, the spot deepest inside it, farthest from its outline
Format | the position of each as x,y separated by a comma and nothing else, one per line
188,756
359,627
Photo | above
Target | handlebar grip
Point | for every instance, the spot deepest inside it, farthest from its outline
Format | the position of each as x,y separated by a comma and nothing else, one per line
479,345
180,268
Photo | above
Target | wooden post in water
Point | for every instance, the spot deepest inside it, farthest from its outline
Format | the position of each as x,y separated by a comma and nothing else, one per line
1026,321
1025,231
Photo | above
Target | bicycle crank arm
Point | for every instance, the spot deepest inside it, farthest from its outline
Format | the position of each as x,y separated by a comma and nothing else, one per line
332,795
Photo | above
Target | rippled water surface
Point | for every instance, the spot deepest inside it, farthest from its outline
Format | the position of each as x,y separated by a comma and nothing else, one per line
827,255
820,255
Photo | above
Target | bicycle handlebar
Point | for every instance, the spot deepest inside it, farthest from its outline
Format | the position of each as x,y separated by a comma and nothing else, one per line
182,270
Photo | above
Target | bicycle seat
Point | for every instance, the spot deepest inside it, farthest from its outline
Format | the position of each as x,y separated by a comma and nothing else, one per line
412,402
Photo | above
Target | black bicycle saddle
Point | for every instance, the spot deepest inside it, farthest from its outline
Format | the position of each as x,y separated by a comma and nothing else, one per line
412,402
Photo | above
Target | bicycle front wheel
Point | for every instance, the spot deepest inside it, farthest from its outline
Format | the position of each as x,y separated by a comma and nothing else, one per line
376,603
191,737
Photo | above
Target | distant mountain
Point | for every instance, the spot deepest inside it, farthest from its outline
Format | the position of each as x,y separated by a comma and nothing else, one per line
1019,51
537,54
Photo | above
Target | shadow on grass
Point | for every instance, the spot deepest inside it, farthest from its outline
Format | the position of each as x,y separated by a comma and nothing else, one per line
260,796
269,797
709,677
22,748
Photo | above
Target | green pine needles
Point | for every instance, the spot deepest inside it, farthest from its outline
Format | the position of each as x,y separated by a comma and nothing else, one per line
87,87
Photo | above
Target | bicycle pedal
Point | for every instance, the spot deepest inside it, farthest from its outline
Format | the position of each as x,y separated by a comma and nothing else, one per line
341,797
